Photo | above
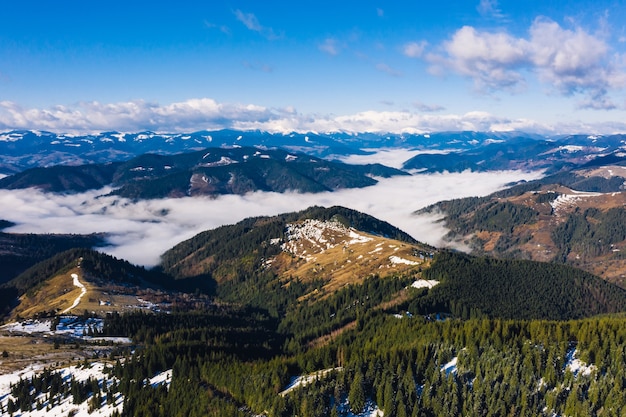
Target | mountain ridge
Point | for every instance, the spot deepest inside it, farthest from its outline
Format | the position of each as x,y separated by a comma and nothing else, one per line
27,149
212,171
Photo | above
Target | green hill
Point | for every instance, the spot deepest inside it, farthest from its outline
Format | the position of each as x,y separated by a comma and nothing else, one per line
516,289
19,252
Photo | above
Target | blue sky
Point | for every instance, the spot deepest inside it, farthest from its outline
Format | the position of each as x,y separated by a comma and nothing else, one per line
403,66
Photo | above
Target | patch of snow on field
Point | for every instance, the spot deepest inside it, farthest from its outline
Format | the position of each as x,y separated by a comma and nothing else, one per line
398,260
357,238
320,235
164,377
65,406
571,148
424,283
72,326
570,199
224,160
28,326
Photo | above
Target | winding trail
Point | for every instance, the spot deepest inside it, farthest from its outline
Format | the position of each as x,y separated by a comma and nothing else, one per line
83,291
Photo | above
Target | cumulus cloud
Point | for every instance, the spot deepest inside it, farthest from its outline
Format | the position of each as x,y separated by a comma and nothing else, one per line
136,115
492,60
571,61
141,231
200,114
204,113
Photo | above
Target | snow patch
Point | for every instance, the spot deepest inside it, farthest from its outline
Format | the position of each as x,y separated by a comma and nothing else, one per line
576,366
320,235
224,160
83,291
564,200
398,260
162,378
357,238
303,380
424,283
571,148
450,367
65,406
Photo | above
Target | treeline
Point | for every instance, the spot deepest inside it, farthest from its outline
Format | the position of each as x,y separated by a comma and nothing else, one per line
18,252
100,265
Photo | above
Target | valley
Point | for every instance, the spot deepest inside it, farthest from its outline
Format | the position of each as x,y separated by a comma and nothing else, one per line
322,310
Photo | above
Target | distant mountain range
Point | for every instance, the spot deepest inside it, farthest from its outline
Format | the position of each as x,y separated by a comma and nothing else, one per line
449,151
213,171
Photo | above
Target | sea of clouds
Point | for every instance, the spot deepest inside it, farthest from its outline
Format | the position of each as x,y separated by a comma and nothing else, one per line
140,231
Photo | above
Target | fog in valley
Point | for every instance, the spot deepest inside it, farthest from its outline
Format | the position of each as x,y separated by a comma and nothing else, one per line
141,231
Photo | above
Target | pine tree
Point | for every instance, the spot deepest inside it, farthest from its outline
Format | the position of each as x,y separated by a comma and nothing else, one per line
356,396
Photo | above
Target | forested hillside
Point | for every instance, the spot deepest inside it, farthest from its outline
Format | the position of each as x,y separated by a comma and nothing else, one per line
575,218
19,252
449,335
213,171
516,289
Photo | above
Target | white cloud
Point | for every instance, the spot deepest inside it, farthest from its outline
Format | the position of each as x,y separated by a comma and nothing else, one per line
572,61
203,113
414,49
392,157
492,60
137,115
141,231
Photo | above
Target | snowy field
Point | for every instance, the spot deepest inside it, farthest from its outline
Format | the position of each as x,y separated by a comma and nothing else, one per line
72,326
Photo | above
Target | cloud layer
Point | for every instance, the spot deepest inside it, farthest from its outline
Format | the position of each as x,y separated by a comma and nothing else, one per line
141,231
208,114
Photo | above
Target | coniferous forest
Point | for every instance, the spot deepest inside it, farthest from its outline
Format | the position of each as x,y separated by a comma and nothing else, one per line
492,338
